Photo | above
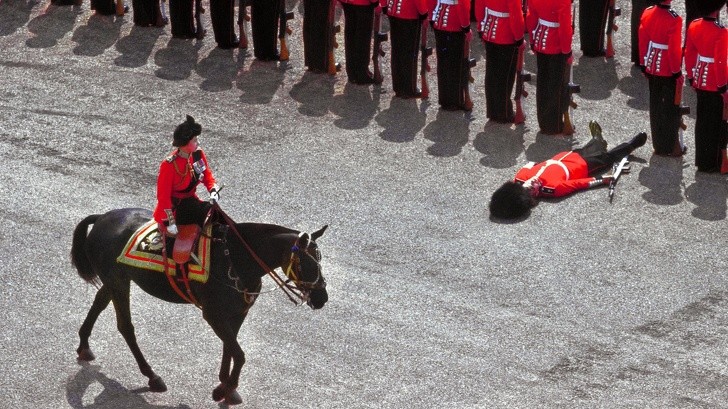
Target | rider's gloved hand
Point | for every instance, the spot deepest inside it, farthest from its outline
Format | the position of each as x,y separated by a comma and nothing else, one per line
214,195
170,230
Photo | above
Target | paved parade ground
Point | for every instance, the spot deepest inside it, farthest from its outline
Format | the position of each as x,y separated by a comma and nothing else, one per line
432,304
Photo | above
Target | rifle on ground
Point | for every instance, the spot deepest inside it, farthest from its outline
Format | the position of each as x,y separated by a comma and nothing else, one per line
243,18
377,51
622,167
334,28
283,30
425,67
572,87
469,64
199,10
521,76
614,12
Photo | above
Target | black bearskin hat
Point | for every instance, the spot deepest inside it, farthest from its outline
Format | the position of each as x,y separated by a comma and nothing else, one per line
510,201
702,8
186,131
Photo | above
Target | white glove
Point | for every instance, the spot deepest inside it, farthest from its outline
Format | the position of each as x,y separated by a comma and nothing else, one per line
172,230
214,195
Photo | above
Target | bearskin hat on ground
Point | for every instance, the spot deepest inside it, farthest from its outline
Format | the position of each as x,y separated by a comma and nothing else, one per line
510,201
186,131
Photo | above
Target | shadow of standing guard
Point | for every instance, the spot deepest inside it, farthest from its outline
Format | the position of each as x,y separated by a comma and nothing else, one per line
15,14
402,120
663,177
314,94
51,25
177,61
99,33
219,70
709,193
356,106
450,131
136,48
500,145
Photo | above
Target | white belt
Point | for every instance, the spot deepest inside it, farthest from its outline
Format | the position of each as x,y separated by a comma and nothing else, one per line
548,23
449,2
489,12
706,59
558,162
658,46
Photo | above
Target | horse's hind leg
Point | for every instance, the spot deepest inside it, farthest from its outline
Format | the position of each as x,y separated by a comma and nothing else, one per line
125,327
103,297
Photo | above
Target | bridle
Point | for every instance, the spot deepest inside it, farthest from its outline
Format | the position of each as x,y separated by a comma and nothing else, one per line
299,291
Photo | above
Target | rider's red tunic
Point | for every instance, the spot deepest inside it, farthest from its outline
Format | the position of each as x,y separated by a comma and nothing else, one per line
178,179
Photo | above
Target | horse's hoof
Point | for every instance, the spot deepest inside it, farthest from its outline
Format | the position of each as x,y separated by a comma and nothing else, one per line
218,393
156,384
233,398
85,354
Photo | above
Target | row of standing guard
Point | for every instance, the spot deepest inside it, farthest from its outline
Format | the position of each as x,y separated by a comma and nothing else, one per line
505,27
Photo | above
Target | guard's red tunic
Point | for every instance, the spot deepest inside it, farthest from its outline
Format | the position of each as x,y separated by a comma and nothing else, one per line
406,9
500,21
549,22
563,174
660,38
451,15
178,179
706,55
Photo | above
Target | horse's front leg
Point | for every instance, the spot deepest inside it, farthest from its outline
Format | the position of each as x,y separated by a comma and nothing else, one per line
227,390
231,352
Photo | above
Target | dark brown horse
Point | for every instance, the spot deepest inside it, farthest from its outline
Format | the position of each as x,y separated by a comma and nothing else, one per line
241,254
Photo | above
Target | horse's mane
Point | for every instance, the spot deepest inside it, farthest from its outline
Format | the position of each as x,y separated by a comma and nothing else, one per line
263,229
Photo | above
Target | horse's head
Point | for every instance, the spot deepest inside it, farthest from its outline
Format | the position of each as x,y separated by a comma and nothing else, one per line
304,269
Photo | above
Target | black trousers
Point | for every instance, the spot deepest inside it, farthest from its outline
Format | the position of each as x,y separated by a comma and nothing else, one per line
598,159
500,76
146,12
552,94
638,7
405,38
104,7
664,115
358,22
711,131
264,17
452,70
592,26
222,17
182,18
317,34
190,210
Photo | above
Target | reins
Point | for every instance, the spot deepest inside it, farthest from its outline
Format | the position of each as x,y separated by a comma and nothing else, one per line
291,292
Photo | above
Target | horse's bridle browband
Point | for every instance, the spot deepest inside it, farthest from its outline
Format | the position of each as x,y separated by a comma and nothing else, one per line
291,291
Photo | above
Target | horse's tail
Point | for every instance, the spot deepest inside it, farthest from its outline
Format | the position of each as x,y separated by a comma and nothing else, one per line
79,257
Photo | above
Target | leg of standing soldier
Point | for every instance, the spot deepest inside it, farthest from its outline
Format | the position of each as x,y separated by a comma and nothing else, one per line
316,35
405,38
222,17
710,131
358,22
592,26
181,18
264,15
664,116
552,98
500,76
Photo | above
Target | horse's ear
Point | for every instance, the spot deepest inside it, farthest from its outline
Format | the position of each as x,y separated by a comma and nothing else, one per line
318,233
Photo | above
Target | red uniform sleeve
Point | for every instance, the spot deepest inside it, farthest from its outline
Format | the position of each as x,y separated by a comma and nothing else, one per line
531,19
518,24
568,187
675,45
165,180
566,32
643,36
464,8
721,59
479,11
691,52
208,179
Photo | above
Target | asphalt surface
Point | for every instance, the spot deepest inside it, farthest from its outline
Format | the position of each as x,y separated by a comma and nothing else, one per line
584,304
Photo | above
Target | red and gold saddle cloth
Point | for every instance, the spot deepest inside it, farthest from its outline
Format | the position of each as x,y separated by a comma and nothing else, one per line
144,250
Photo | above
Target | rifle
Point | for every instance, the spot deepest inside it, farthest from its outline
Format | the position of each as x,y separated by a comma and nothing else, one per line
283,30
572,88
614,11
377,50
521,76
622,167
425,67
120,7
469,64
334,28
199,10
683,110
243,18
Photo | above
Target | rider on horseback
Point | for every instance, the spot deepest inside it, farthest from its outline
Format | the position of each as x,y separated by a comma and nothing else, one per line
179,174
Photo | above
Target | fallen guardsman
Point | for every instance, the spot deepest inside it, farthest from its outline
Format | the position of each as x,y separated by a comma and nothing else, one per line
563,174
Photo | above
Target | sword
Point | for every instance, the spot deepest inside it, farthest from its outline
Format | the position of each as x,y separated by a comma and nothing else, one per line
622,167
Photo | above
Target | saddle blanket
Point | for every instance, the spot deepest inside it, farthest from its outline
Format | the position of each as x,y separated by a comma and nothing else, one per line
144,250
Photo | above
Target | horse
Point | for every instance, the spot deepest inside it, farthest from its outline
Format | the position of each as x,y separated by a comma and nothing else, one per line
241,254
